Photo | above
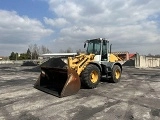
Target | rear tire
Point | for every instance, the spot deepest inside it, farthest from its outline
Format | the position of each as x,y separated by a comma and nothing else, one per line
90,77
116,74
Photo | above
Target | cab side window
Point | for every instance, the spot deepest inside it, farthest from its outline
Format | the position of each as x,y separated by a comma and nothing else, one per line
104,50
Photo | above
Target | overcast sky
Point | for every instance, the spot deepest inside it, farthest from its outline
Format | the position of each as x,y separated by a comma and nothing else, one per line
130,25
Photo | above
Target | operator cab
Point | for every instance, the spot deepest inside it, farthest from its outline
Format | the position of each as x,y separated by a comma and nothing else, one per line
99,47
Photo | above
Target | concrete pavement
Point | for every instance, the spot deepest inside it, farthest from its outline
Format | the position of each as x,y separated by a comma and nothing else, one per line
137,97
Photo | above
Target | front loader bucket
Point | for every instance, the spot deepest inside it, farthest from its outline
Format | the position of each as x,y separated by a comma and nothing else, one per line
57,80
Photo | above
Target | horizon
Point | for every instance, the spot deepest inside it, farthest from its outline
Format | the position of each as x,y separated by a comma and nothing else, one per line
132,26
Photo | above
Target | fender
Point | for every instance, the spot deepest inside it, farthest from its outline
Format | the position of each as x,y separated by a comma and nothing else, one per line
97,64
110,65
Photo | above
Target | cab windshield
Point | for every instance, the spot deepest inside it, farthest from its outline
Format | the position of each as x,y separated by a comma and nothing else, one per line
94,47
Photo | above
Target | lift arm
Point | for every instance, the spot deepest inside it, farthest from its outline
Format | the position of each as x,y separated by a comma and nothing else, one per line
79,63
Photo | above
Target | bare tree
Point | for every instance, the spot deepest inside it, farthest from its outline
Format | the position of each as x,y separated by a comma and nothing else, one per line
44,50
80,51
37,50
31,50
150,55
68,50
62,51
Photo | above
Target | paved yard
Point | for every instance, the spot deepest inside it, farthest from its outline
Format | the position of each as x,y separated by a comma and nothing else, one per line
137,97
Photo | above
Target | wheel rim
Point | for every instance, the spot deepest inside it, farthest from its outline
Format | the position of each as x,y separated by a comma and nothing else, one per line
94,76
117,74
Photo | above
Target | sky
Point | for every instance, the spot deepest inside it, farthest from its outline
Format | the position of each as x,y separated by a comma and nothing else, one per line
129,25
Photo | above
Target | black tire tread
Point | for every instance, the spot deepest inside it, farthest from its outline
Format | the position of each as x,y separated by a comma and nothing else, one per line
85,80
113,79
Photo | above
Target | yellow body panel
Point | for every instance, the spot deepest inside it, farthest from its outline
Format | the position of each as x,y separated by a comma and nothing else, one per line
114,58
79,63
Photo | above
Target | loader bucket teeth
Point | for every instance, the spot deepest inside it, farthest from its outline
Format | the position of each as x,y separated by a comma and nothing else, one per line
57,80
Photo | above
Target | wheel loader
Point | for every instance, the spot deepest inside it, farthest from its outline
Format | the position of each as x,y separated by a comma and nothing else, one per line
84,70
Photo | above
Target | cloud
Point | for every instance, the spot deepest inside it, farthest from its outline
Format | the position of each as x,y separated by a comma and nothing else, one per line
16,31
20,29
59,22
127,24
65,8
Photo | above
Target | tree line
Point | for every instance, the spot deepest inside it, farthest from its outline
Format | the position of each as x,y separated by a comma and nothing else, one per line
69,50
33,52
151,55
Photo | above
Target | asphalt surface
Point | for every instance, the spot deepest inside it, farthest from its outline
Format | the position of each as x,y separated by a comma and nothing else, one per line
135,97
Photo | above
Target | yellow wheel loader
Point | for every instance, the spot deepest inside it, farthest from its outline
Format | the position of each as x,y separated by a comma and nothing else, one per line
63,79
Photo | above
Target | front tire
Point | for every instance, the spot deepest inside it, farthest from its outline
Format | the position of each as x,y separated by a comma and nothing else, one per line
90,77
